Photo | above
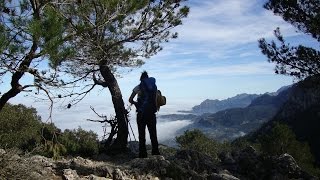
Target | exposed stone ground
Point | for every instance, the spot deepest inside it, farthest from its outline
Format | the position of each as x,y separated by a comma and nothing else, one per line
184,164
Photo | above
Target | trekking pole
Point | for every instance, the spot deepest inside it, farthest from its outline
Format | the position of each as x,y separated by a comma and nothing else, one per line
128,110
131,126
132,132
127,122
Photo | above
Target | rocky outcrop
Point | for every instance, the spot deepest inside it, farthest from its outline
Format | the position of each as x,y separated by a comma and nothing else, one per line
185,164
249,164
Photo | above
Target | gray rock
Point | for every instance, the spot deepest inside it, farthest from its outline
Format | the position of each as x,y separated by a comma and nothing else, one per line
216,176
44,161
93,177
69,174
117,174
154,164
2,151
287,164
87,167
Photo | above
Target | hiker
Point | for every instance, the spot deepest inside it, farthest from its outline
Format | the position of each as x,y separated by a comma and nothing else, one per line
146,109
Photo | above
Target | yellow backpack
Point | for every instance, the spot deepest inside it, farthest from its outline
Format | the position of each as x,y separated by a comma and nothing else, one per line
161,100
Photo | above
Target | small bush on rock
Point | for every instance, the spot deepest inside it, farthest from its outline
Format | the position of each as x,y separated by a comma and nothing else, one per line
196,140
80,142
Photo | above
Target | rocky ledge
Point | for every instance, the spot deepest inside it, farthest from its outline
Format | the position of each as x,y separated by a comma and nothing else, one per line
185,164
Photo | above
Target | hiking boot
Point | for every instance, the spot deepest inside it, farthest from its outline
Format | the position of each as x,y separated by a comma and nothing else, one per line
155,153
143,155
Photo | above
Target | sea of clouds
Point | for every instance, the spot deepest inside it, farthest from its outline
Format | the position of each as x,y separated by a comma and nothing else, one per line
78,115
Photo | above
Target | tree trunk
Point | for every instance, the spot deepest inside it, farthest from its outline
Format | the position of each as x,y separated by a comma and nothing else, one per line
8,95
16,88
121,115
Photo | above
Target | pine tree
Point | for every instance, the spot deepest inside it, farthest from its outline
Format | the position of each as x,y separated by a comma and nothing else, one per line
114,34
85,43
31,31
297,61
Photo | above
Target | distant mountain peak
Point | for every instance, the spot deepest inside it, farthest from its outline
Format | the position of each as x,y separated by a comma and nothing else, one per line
212,106
238,101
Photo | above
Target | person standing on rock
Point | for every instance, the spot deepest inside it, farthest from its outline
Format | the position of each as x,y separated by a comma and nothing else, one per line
146,109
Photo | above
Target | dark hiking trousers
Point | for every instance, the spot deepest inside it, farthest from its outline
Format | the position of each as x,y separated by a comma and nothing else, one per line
147,119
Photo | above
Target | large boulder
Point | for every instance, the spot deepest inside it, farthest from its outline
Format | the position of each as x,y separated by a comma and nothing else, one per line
249,164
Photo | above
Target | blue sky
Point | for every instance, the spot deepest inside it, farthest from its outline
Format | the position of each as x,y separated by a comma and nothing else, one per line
215,57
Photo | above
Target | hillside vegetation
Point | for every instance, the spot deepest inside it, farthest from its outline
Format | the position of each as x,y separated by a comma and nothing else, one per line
300,113
22,128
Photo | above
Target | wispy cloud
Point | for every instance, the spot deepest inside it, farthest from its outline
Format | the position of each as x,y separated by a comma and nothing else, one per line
215,26
216,32
255,68
230,21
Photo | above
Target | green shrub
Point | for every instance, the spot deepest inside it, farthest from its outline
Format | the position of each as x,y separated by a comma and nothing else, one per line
19,127
80,142
77,142
50,146
196,140
283,140
242,143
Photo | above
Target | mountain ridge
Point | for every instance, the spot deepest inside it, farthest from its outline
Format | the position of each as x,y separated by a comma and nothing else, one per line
301,112
231,123
212,106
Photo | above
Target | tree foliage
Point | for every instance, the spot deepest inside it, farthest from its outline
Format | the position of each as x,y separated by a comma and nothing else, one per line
297,61
116,34
31,32
87,43
112,35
